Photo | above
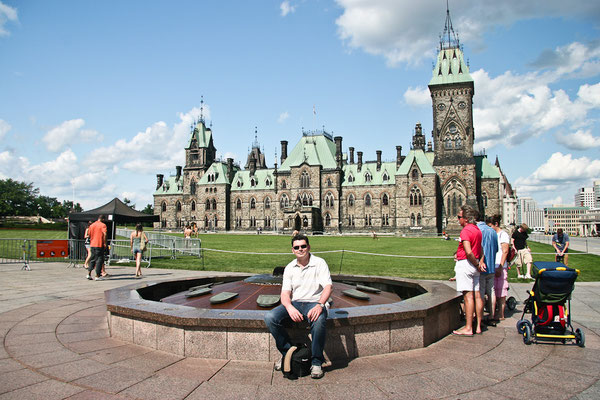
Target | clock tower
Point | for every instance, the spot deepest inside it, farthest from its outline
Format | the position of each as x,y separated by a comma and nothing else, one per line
452,91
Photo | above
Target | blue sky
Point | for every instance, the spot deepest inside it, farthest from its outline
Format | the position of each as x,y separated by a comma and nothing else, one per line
96,98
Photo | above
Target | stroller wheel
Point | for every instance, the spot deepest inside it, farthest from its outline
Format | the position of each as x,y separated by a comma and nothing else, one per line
579,337
521,325
511,303
527,334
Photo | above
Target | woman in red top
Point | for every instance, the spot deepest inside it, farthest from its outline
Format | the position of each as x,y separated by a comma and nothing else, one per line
467,270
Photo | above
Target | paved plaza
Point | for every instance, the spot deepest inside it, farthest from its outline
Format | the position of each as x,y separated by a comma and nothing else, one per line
56,345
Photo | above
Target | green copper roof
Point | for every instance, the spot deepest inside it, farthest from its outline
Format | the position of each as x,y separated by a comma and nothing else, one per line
170,186
202,134
450,68
352,177
313,150
485,169
420,158
263,179
218,170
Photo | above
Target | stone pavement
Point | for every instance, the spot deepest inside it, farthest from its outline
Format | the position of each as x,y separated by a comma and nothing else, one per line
56,346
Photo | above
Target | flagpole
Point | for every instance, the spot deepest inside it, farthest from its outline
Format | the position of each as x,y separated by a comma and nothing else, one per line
314,118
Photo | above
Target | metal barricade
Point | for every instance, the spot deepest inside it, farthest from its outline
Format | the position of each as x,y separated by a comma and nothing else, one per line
161,245
120,252
16,251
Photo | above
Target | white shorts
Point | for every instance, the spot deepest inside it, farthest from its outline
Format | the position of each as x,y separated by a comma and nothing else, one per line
486,285
467,276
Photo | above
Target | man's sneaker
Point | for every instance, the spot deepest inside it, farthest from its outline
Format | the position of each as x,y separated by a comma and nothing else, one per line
88,276
278,364
98,278
316,372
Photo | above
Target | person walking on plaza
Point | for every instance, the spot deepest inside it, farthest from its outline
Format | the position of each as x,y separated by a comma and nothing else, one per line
136,239
98,244
467,270
501,275
487,266
305,289
519,242
560,242
86,242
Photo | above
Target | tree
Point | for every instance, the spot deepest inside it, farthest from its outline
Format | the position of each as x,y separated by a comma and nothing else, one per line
128,202
17,198
149,209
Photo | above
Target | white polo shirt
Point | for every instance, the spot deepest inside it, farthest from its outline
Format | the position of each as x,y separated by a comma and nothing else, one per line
306,284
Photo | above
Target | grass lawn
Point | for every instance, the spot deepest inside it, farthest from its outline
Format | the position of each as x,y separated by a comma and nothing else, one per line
426,258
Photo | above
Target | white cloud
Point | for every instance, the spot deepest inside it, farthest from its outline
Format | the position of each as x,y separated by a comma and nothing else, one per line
559,170
12,166
7,13
580,140
69,133
287,8
283,117
158,147
556,201
402,31
4,128
418,96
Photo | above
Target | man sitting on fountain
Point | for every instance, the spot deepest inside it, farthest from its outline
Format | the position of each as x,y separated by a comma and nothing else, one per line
305,290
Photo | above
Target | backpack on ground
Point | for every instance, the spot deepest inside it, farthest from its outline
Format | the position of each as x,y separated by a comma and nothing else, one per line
296,362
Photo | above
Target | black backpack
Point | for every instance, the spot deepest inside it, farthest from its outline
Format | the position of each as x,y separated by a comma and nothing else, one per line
297,361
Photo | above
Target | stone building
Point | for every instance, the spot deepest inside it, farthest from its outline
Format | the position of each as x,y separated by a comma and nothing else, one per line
319,187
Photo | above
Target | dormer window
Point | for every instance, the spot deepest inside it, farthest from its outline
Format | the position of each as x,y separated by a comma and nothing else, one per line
240,183
386,177
350,178
267,182
368,177
252,182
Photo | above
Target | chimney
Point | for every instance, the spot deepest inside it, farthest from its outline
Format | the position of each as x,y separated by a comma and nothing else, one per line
398,156
178,173
359,154
351,155
252,165
159,180
338,150
230,169
378,159
284,144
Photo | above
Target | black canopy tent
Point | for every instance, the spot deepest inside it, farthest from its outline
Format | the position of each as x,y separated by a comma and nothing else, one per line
115,211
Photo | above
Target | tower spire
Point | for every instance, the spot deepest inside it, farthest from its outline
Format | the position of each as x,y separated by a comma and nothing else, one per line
449,39
202,108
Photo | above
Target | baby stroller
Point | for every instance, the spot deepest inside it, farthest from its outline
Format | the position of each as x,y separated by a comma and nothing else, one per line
550,319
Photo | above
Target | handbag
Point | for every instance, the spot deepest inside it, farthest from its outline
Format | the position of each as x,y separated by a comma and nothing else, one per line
142,242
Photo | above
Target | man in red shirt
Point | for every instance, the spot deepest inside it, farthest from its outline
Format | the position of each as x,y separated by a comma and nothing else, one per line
467,269
97,232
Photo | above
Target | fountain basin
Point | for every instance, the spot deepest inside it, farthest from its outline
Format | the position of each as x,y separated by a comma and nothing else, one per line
428,312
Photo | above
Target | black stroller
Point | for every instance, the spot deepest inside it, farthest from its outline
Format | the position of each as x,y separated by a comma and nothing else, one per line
550,319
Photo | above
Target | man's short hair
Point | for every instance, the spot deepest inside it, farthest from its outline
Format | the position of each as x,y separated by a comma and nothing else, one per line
496,219
101,217
524,226
299,236
469,213
559,231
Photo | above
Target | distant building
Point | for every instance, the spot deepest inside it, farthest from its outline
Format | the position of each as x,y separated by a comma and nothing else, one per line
597,194
321,188
529,213
585,197
567,218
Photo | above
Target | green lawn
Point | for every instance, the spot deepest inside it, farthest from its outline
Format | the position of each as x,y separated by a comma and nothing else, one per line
421,263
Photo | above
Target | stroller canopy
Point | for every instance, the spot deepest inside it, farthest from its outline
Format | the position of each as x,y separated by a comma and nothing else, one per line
554,281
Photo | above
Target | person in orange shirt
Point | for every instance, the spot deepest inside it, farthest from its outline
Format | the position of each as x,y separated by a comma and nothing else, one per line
97,233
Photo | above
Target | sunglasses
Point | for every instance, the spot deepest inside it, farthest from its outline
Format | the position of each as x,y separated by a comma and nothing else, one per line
302,246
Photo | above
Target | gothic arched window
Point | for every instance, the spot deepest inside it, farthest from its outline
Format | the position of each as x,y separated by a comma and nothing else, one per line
368,200
327,219
385,199
178,206
368,177
164,206
418,219
412,220
415,175
304,180
193,205
386,177
284,201
238,204
252,203
351,200
214,204
267,203
193,187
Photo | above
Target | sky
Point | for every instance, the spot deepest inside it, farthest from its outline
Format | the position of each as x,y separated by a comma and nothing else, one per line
96,98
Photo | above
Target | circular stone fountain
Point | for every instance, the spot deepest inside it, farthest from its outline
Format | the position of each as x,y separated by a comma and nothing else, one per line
405,314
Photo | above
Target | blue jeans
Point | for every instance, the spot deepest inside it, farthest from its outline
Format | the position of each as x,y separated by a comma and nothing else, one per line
276,316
